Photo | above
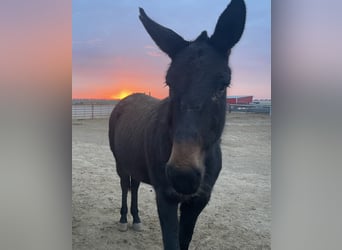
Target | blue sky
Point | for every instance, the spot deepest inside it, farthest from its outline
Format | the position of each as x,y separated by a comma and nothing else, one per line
112,50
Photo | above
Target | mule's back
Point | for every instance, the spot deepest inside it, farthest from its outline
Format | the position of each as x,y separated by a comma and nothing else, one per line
127,126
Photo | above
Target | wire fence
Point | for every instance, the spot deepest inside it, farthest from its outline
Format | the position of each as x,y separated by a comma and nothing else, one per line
91,111
250,108
98,111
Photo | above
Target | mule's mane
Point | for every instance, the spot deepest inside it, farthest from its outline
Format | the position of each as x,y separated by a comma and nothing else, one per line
202,37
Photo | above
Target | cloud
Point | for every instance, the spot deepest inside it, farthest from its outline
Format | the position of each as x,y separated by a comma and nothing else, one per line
153,51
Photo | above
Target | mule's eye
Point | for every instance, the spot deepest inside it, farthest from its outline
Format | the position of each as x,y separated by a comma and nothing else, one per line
221,89
219,93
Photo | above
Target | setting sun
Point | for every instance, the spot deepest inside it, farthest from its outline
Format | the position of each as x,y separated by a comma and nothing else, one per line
122,94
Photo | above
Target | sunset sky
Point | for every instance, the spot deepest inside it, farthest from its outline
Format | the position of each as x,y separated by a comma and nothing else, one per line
114,56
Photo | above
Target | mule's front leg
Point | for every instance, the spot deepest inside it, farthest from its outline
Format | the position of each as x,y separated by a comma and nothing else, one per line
167,211
190,211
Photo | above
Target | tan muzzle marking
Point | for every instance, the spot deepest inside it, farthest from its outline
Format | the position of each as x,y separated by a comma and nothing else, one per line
186,155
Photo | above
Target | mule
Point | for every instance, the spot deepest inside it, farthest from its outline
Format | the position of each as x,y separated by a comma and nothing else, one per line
174,144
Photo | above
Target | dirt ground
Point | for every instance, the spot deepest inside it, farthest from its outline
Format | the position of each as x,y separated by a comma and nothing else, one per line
238,215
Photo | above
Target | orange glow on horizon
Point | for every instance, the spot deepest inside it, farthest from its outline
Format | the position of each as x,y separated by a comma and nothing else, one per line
116,93
122,94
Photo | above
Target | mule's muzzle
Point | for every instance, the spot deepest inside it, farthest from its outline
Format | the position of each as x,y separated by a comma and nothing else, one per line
184,168
184,181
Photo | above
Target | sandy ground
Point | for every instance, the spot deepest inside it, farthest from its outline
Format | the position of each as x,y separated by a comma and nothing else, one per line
238,215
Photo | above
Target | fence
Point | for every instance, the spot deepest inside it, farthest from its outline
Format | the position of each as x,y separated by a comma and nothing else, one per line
91,111
95,111
250,108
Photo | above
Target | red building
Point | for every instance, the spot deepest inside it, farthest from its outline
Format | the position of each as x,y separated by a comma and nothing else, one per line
242,99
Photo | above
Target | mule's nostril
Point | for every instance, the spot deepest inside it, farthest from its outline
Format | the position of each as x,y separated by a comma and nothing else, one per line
184,181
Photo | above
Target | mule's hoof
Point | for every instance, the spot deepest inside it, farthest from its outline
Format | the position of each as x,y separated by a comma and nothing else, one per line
137,227
123,227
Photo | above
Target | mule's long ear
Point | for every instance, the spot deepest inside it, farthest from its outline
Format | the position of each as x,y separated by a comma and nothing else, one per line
230,26
167,40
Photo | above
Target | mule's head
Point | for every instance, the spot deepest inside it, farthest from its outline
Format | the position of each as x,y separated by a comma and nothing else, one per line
197,78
